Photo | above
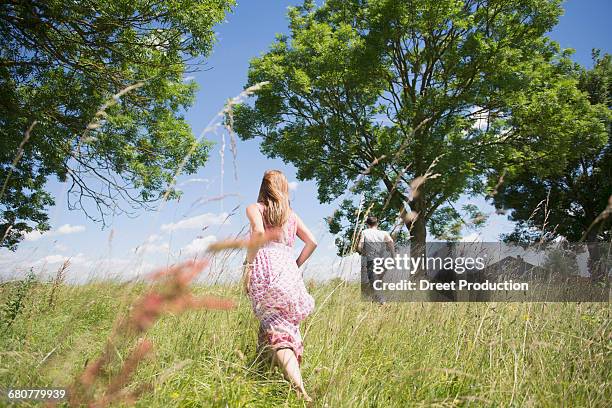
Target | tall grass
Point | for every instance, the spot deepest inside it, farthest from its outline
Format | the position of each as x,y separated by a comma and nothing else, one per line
357,354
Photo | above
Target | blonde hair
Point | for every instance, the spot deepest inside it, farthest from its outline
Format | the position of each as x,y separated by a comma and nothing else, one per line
274,195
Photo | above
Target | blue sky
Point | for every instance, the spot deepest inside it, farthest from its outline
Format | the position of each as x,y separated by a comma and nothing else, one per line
133,245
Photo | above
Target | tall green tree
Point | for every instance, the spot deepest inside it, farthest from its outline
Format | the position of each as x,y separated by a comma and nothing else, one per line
61,62
575,203
423,97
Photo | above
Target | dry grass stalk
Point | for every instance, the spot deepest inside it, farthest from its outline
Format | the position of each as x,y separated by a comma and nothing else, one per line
100,115
359,224
398,178
212,126
228,114
417,182
60,276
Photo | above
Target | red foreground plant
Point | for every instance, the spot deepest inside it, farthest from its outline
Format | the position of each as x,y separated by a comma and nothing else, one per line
171,294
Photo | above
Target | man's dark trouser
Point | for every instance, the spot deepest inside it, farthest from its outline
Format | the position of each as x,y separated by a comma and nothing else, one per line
377,295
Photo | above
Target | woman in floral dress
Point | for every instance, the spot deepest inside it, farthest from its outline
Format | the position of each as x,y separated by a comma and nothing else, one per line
274,282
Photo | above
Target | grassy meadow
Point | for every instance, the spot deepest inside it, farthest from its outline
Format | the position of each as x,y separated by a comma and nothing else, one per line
357,354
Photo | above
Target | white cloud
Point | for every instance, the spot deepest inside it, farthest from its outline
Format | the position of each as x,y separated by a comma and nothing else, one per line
153,238
473,237
328,266
70,229
480,116
293,185
53,259
82,268
60,247
152,244
197,222
481,123
198,245
78,259
33,236
65,229
195,180
152,248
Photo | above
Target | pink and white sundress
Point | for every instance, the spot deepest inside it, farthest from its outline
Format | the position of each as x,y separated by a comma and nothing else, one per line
277,292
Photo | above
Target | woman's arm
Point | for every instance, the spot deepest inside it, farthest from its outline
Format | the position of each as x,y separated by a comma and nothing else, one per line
310,244
257,229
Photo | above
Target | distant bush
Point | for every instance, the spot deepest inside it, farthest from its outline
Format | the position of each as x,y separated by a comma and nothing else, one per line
16,294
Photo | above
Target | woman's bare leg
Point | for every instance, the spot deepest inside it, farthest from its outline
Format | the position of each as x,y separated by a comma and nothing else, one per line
288,362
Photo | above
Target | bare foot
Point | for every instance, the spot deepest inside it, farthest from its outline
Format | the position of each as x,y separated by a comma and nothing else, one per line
303,395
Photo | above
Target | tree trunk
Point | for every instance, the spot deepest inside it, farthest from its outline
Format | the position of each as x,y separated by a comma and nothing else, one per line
418,235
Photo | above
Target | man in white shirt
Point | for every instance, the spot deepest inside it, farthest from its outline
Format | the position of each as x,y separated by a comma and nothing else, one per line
375,243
